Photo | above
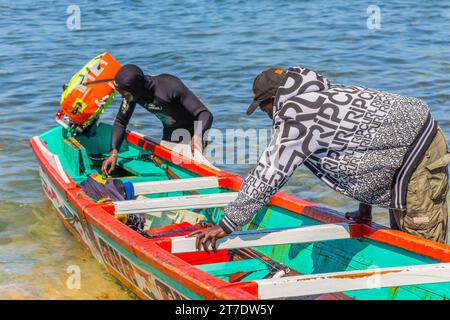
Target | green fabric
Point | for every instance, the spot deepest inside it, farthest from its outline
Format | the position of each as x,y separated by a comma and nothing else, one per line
426,212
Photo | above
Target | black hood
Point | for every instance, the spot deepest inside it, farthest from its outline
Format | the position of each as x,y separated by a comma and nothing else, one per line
131,78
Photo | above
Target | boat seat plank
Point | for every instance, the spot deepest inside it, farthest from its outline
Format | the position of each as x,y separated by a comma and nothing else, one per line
230,267
175,185
141,168
353,280
174,203
254,238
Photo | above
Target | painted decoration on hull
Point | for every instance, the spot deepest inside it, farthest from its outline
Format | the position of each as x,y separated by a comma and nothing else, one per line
146,283
149,286
79,226
53,196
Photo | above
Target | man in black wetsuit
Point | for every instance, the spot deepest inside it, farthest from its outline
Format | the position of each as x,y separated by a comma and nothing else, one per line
166,97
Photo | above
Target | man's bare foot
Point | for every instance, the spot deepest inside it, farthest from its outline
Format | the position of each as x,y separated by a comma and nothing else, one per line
362,215
358,217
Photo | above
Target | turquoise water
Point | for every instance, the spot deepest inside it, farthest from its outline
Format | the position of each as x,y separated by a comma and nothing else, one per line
216,48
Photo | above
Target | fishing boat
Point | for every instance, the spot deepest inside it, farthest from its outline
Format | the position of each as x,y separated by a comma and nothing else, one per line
291,249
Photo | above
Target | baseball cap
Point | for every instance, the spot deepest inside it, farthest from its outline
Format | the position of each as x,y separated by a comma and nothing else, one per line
265,86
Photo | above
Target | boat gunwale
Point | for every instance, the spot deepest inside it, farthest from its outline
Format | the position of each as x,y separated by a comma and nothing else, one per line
373,231
194,279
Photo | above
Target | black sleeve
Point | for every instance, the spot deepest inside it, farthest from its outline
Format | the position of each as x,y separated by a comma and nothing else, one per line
192,104
205,118
186,98
120,124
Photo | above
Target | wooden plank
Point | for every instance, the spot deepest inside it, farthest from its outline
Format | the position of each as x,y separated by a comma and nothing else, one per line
175,185
353,280
230,267
256,238
52,158
174,203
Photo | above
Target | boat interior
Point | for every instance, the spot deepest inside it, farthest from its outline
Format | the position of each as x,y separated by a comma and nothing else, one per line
277,245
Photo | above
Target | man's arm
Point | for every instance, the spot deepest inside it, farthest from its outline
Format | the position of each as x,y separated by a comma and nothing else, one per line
194,106
117,135
120,124
291,144
205,119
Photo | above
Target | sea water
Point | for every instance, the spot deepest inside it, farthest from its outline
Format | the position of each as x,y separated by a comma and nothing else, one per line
216,48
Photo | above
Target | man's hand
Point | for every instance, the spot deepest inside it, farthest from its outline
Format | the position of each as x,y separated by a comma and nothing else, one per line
196,144
206,235
109,164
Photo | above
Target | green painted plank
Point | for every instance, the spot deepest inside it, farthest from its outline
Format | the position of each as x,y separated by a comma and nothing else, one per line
143,168
257,275
230,267
355,254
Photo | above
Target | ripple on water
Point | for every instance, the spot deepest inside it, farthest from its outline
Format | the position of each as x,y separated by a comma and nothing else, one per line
35,253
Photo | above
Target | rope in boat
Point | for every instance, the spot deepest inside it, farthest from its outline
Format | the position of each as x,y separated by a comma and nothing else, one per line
278,269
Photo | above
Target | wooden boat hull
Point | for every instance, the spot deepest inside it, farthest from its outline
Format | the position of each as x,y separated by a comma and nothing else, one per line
152,271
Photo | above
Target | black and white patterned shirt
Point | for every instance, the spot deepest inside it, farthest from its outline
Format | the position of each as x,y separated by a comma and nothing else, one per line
363,143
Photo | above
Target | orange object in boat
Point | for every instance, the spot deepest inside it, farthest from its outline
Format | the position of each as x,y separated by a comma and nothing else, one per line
90,90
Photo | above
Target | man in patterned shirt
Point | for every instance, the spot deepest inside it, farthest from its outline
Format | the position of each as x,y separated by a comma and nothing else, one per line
378,148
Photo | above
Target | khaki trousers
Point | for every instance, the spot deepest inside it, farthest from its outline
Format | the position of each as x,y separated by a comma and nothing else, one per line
426,213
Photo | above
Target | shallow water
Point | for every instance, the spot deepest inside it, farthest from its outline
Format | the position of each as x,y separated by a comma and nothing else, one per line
216,48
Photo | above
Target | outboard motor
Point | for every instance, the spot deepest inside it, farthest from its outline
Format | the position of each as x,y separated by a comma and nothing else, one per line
89,92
